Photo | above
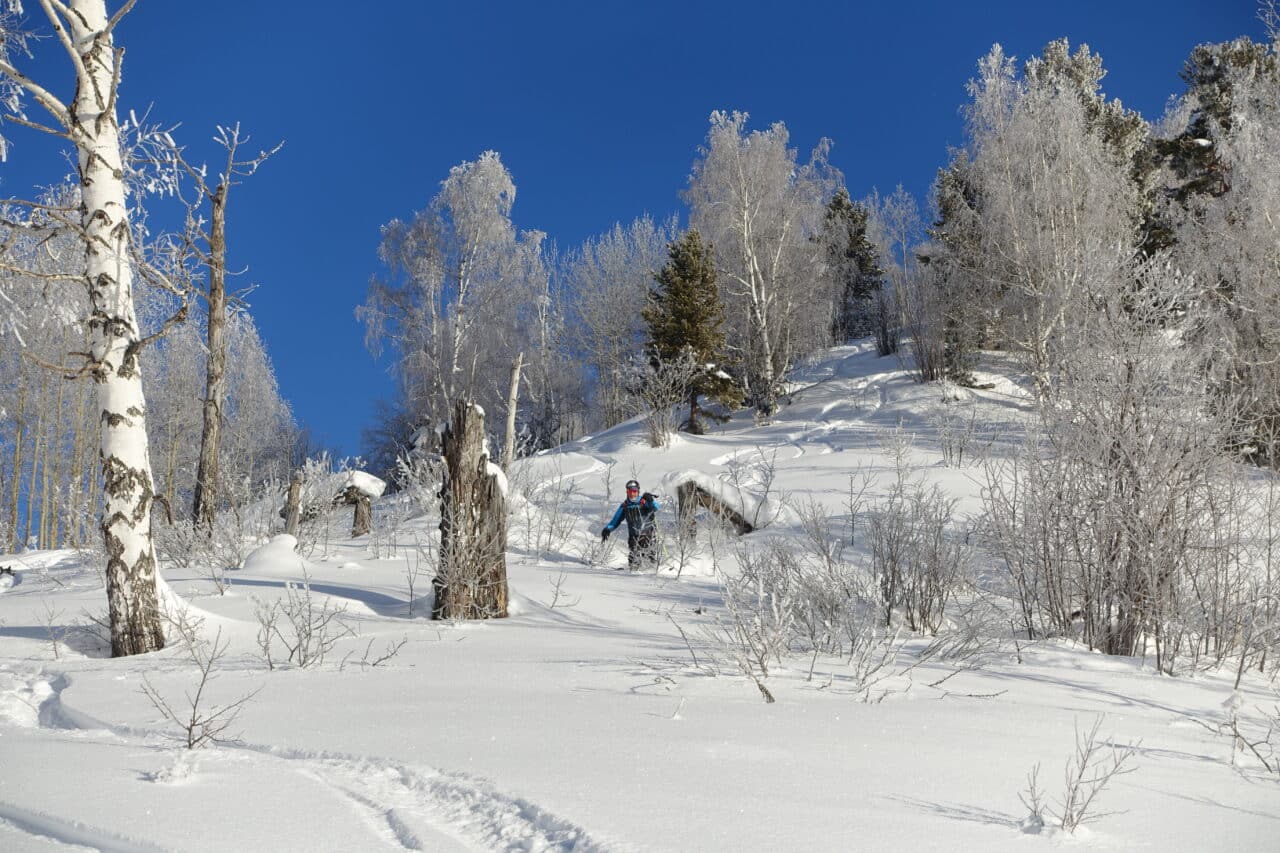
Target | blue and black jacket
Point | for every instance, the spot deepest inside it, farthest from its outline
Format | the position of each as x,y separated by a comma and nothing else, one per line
640,515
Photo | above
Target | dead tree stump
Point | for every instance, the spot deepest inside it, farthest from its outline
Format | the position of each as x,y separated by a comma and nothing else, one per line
293,504
362,522
472,578
690,496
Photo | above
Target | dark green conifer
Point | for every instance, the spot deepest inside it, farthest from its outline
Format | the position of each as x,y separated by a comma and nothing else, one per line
1193,155
684,316
855,263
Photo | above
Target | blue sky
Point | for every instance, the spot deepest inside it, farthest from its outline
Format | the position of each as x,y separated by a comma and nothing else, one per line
596,107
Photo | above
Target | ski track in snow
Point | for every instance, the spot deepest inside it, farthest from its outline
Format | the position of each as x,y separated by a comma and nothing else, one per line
72,833
401,802
411,808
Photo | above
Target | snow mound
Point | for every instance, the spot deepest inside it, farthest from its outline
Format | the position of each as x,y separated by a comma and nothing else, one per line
276,558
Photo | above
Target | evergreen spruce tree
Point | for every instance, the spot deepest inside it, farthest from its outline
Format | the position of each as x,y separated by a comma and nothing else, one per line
1193,155
684,317
967,308
854,262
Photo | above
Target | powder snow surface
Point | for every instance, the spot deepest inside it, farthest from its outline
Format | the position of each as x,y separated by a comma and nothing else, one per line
584,722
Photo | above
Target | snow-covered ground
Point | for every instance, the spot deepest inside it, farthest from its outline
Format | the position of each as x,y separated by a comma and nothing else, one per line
598,717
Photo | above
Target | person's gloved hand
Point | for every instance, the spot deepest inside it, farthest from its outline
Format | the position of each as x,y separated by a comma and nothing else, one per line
604,535
647,499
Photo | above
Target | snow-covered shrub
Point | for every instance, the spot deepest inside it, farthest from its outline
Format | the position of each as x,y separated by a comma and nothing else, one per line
757,628
307,630
181,543
419,476
248,518
1122,510
915,558
751,479
662,387
787,602
251,516
957,433
544,508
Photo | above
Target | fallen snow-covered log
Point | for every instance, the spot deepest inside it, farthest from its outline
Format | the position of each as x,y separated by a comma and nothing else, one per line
690,496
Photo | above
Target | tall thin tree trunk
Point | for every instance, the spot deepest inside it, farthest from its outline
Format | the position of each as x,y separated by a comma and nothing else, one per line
14,487
513,397
29,528
206,491
115,339
76,479
54,479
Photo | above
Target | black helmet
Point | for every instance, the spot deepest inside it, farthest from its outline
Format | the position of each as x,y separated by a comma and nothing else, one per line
633,485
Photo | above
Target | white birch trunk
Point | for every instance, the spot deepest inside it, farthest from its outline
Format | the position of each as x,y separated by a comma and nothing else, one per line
115,339
513,398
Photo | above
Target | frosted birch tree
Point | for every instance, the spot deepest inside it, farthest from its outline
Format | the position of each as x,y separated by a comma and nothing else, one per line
607,281
760,209
1226,225
86,33
1050,167
456,278
894,227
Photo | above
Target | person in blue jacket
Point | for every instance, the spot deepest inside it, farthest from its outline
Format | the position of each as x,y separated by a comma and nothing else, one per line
640,512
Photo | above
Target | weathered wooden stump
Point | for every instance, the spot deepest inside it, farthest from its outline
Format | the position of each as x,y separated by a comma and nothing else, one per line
293,504
472,577
358,490
362,522
690,496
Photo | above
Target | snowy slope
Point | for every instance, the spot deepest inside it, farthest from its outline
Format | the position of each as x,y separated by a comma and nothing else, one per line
606,721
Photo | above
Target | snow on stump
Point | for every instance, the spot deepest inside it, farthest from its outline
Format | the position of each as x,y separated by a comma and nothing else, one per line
472,579
359,490
690,496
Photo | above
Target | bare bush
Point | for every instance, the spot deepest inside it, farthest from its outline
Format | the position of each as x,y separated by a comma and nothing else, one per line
420,476
1122,507
54,629
753,479
182,543
685,546
596,552
371,659
1093,766
545,514
957,434
307,631
422,561
559,597
913,555
787,602
200,721
663,386
1258,741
